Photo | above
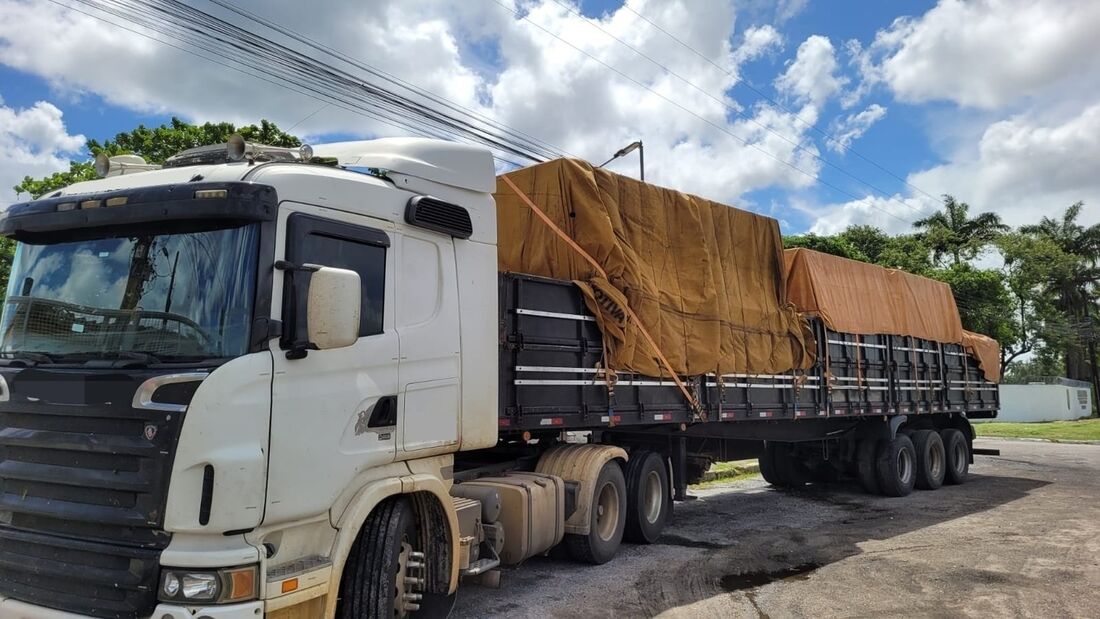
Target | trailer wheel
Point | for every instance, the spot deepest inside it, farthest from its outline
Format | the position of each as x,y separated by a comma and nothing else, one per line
957,456
607,519
373,582
648,498
866,465
896,466
931,460
780,468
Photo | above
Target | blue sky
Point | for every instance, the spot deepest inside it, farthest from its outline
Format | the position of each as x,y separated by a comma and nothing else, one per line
950,118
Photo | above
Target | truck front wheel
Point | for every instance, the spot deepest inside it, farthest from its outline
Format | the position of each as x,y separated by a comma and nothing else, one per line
648,498
607,519
384,572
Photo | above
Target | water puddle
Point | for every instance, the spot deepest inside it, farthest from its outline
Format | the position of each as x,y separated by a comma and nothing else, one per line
751,580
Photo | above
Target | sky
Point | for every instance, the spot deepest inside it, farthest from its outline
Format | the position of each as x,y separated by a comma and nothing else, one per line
822,114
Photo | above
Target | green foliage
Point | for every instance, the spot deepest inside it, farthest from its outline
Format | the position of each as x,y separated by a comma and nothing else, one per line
835,245
985,305
155,145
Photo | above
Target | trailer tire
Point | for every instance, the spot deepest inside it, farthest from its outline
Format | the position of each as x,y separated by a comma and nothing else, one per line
896,466
648,498
957,456
792,472
767,466
866,464
369,583
607,518
931,459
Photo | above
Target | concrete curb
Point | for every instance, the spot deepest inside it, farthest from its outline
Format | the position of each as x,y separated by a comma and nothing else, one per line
1036,440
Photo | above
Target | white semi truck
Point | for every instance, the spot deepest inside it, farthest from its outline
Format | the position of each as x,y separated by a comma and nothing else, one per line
263,382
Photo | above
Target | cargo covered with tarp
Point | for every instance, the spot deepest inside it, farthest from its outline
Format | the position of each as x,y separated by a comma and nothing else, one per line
860,298
702,281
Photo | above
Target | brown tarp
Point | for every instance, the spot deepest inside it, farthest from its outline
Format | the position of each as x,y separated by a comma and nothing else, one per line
857,297
704,279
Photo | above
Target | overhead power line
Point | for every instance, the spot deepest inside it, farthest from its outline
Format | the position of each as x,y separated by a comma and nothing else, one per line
216,40
827,135
705,120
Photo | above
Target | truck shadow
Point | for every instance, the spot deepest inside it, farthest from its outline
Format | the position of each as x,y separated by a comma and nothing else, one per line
730,541
770,535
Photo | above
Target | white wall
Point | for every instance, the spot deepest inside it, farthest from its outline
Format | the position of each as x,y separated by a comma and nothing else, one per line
1043,403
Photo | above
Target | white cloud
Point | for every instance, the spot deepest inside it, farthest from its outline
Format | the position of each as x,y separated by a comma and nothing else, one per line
33,141
1025,167
811,77
892,214
534,83
849,129
987,53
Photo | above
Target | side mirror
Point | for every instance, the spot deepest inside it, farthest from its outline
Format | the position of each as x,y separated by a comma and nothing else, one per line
333,308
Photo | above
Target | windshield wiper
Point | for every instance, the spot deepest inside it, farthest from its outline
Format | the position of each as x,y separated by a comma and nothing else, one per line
111,358
25,358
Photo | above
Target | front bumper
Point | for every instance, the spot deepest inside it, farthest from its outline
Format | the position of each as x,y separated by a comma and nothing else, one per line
14,609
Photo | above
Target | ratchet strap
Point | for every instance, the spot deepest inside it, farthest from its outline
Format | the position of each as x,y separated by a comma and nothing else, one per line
599,269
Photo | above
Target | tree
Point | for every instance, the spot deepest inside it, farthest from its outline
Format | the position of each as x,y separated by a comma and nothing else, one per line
155,145
906,252
985,306
951,232
1074,289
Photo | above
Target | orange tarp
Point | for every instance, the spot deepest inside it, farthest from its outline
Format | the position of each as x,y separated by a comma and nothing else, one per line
704,279
857,297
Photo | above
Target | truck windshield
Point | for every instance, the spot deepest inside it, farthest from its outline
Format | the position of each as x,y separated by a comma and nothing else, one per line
168,297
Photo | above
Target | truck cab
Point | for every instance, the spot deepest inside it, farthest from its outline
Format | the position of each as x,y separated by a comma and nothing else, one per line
211,375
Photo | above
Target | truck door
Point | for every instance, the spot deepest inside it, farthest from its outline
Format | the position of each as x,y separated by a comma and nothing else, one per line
334,411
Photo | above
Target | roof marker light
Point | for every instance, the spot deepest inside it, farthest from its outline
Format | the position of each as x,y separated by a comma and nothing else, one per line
116,201
67,206
207,194
91,204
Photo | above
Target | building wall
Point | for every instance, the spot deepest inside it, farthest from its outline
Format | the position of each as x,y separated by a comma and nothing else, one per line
1027,403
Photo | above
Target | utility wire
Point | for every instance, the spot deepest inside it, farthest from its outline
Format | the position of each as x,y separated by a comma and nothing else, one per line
361,64
794,143
258,57
721,128
829,136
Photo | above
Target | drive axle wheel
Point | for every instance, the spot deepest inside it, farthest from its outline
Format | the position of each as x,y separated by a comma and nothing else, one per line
957,456
607,519
931,465
648,498
896,466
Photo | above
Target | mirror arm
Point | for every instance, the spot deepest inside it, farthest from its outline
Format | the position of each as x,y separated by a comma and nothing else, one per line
299,349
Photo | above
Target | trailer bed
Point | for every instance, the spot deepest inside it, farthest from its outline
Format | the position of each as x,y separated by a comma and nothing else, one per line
553,376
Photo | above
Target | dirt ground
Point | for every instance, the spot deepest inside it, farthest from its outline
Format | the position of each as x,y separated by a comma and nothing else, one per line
1021,538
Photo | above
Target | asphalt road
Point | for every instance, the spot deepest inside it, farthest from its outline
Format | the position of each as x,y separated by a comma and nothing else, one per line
1021,538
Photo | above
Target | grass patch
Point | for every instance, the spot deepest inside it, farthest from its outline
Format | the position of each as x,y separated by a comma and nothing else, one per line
726,472
1080,430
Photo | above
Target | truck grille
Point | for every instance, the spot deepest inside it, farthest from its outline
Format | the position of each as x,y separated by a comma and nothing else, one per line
83,484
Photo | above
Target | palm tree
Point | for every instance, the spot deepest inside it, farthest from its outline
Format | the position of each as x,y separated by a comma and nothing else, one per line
1075,288
952,231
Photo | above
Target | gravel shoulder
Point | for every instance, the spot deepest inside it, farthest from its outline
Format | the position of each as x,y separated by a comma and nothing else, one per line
1022,537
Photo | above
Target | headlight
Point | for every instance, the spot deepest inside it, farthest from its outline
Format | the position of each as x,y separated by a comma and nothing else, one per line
237,584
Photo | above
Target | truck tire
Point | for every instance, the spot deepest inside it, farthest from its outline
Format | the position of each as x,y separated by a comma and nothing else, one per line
648,498
372,583
866,464
931,460
607,519
957,456
767,466
697,469
896,466
791,471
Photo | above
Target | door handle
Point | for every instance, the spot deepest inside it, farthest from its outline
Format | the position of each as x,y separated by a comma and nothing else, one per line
384,412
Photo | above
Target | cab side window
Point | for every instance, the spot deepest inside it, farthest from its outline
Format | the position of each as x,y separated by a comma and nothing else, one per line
314,240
